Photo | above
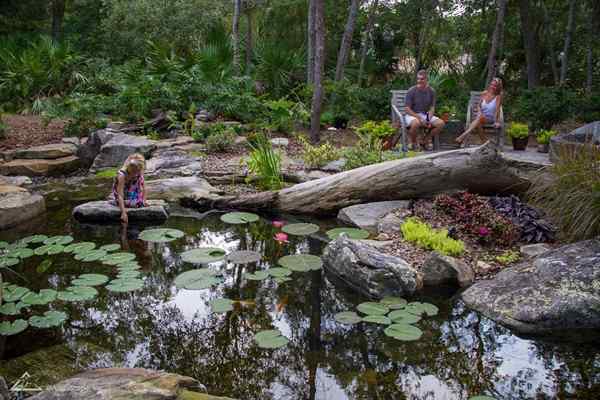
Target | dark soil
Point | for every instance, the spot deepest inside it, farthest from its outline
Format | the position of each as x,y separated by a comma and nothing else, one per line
28,130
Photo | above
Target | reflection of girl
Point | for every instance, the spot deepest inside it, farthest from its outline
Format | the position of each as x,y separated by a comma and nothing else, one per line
488,111
128,188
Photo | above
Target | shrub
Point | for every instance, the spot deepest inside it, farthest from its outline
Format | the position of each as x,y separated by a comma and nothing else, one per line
420,233
3,128
376,130
327,118
508,257
518,130
318,156
543,136
533,227
220,141
544,107
572,197
281,115
265,163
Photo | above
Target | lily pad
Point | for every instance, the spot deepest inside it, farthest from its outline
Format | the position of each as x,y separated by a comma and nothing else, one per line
270,339
300,229
353,233
257,276
301,262
203,255
377,319
161,235
90,280
117,258
221,305
129,266
282,279
279,272
3,245
49,249
197,279
371,308
125,285
348,317
239,218
393,303
44,297
6,262
44,266
243,257
418,308
82,247
14,293
403,332
90,256
10,309
34,239
78,293
128,274
110,247
12,328
403,317
61,240
50,319
21,253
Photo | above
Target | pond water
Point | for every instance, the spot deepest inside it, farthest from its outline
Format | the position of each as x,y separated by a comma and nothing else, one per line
461,353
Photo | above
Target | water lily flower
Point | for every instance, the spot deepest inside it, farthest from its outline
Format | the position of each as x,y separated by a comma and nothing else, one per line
278,224
281,237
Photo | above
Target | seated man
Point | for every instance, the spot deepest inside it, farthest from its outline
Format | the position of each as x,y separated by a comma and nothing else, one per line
420,106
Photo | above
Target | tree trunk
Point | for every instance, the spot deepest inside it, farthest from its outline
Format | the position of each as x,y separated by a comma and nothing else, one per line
530,44
236,36
346,44
497,40
319,52
481,170
550,43
367,40
564,65
249,41
590,53
58,15
310,61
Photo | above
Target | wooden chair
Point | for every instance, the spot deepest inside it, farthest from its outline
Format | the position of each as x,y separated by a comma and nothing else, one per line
398,106
472,113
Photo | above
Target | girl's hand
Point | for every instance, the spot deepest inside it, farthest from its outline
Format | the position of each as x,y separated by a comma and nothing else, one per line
124,217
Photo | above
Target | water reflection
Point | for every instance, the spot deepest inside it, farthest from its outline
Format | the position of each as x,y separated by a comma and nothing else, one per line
161,327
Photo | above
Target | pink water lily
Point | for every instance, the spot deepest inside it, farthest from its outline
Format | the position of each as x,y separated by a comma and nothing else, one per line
281,237
278,224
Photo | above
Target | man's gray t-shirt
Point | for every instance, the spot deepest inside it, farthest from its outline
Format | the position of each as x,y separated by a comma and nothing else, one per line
420,100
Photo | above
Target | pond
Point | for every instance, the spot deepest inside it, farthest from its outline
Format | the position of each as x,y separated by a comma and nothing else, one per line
460,354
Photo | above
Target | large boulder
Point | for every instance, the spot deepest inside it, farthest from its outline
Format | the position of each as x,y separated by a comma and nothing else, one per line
126,383
105,212
88,151
48,151
18,205
118,147
556,291
175,189
575,140
173,162
439,269
367,216
368,270
40,167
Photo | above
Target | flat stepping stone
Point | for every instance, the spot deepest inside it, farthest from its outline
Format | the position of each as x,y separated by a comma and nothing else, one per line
40,167
48,151
367,216
104,211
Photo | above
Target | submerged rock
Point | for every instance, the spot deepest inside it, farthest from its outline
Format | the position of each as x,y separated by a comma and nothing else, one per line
40,167
554,292
18,205
126,383
439,269
367,216
175,189
105,212
368,271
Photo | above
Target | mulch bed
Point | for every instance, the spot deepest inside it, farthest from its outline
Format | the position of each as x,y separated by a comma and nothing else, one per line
28,130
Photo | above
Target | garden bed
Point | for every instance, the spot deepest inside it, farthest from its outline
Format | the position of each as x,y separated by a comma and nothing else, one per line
29,130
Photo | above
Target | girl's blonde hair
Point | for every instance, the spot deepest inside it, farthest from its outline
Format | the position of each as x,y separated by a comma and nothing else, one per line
498,85
135,160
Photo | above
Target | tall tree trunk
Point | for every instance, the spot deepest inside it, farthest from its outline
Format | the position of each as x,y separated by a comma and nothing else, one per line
530,44
319,51
590,50
497,40
367,40
236,36
346,44
249,40
564,65
58,15
310,60
550,44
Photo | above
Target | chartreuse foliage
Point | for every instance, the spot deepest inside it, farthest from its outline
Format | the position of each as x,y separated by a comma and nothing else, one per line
426,237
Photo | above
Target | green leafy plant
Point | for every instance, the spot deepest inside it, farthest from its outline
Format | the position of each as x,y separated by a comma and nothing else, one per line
318,156
508,257
376,131
107,173
281,115
265,164
3,128
517,130
327,118
153,135
544,136
220,141
426,237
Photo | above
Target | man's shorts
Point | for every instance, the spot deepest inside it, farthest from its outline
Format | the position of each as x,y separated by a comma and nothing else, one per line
408,119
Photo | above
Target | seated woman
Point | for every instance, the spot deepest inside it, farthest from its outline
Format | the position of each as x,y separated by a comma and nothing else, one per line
488,113
128,189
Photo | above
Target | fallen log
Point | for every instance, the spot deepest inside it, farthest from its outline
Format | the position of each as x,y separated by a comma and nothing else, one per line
483,170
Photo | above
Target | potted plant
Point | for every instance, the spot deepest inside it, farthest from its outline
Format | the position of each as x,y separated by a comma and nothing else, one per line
543,139
519,133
